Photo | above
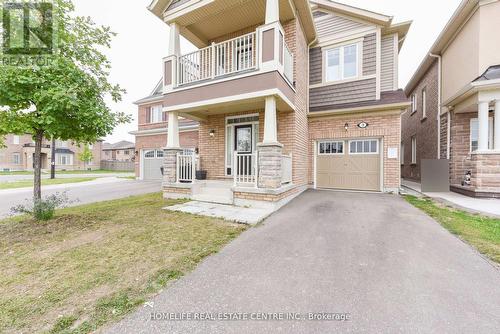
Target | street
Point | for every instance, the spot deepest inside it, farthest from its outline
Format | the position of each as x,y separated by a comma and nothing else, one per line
81,193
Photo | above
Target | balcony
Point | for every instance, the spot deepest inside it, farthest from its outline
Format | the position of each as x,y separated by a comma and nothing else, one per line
244,68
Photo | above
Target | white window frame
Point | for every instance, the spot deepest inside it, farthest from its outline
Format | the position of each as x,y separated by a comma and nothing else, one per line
424,103
341,48
16,158
402,154
490,133
148,151
363,140
414,150
414,103
68,159
331,142
15,139
156,114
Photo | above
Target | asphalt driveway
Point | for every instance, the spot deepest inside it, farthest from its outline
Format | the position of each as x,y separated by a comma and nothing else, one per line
374,257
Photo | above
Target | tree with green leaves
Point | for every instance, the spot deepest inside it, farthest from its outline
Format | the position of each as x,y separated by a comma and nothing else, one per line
65,98
86,156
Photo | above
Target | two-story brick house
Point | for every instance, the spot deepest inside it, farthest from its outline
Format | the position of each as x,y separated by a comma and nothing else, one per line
18,153
287,95
455,96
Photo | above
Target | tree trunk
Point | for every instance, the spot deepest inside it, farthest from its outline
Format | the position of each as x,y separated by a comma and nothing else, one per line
37,166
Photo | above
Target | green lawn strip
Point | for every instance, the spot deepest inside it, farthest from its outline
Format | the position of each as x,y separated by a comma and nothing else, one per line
45,182
15,173
97,171
93,264
481,232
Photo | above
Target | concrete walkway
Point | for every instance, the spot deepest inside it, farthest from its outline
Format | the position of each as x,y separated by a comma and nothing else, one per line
228,212
371,258
486,206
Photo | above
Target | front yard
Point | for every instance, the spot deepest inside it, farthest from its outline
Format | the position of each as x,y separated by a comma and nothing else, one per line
481,232
93,264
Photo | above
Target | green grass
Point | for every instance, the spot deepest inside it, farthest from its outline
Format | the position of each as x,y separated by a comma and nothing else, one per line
481,232
45,182
93,264
97,171
15,173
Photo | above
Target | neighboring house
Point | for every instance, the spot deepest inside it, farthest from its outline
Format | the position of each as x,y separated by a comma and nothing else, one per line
455,97
121,151
288,95
19,151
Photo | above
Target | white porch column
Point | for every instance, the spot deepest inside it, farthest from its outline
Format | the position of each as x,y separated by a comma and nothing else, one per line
496,127
173,130
174,44
270,128
482,142
272,11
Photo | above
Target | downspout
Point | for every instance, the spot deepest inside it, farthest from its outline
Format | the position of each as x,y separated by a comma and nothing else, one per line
307,108
439,106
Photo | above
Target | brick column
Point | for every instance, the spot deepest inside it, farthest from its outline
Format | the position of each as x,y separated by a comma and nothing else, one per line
170,165
269,165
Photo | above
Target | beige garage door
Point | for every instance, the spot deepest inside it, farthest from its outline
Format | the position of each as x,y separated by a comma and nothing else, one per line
351,165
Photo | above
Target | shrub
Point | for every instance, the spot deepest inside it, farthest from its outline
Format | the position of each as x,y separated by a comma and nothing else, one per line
43,209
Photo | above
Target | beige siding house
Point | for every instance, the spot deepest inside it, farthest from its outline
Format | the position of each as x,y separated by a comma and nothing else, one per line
283,95
19,151
464,66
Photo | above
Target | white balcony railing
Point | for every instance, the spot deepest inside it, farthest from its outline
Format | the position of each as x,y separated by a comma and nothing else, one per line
288,63
219,59
245,169
286,169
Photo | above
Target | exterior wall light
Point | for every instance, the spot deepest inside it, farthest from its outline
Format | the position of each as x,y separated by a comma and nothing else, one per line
346,126
211,133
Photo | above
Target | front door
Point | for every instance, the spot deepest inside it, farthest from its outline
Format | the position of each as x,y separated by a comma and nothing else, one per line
243,144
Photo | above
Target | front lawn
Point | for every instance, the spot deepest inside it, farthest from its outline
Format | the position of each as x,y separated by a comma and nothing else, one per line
45,182
481,232
95,263
97,171
15,173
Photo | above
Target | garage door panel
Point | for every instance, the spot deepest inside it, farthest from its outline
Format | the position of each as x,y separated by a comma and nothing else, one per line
348,171
152,163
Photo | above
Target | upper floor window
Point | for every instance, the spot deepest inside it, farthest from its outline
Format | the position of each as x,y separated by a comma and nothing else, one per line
156,114
414,150
61,144
424,103
15,140
16,158
474,134
342,62
413,103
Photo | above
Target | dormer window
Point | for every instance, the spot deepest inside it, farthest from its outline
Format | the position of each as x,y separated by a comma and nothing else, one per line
342,62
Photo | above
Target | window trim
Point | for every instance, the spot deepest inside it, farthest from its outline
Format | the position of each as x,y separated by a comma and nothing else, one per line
331,141
160,114
414,103
16,139
490,133
424,103
414,150
341,47
363,140
18,155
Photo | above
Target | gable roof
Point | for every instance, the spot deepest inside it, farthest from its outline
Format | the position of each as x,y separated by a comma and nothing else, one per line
378,19
460,15
121,145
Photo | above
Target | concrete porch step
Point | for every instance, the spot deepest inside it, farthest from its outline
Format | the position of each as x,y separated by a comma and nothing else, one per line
213,198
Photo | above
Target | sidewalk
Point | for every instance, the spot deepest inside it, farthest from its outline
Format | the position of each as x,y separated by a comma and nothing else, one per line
489,207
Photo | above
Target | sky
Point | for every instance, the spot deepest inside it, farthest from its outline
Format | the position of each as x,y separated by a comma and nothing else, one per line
142,41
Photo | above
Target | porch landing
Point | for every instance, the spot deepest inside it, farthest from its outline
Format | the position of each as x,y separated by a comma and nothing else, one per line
243,215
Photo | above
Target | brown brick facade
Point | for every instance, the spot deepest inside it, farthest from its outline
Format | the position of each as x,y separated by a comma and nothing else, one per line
384,125
424,129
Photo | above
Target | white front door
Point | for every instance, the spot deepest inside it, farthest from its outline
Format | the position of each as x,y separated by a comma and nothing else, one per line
242,134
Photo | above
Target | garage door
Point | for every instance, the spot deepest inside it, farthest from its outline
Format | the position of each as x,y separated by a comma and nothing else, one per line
152,163
351,165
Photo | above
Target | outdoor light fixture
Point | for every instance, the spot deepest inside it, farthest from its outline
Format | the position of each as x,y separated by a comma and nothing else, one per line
212,133
346,126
